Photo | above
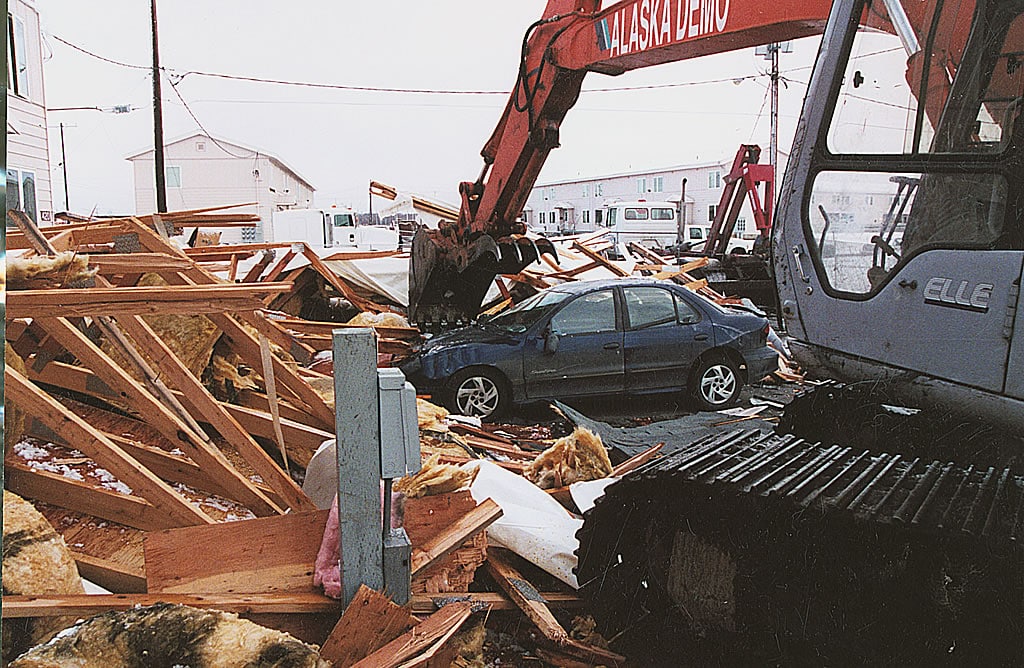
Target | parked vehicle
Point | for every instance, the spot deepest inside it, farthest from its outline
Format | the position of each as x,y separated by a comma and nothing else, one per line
619,336
329,230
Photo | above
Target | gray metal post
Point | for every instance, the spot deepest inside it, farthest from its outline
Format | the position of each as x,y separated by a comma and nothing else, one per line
357,420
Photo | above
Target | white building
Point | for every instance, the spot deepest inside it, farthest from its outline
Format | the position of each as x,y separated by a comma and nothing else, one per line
28,158
201,171
578,205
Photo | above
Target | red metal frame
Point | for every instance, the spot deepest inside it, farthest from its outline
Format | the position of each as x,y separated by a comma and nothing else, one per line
743,178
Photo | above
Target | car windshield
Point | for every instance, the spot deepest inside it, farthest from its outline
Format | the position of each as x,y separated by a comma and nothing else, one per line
522,316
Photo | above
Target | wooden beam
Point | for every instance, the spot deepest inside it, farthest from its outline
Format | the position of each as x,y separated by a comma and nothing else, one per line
197,446
120,263
157,300
64,492
175,373
535,608
424,604
420,638
110,575
87,605
369,622
454,535
615,269
270,554
326,328
107,454
303,440
525,596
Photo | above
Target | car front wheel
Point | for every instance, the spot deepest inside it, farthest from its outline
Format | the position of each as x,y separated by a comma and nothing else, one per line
716,384
479,393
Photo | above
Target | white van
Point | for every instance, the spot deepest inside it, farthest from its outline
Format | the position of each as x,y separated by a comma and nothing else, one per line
329,230
650,224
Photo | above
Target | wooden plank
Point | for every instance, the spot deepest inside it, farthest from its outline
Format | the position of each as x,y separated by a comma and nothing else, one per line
279,268
303,440
525,596
454,535
110,575
87,605
213,412
269,554
369,622
535,608
119,263
196,445
615,269
424,604
63,492
317,327
162,300
107,454
420,638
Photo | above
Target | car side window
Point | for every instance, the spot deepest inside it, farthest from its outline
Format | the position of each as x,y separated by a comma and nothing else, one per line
589,314
649,307
688,315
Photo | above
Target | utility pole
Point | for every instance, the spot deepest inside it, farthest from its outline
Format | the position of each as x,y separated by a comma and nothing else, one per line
771,53
64,164
158,122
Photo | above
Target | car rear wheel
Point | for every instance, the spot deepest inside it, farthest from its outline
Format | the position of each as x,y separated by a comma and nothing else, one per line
479,392
716,384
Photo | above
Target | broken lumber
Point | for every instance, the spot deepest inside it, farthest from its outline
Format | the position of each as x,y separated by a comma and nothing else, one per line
85,605
80,434
369,622
454,535
110,575
434,629
264,555
192,300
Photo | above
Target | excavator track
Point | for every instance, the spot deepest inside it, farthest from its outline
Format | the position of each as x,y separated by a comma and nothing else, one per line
758,547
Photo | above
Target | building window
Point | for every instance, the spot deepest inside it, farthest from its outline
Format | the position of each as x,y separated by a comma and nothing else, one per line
715,179
17,66
641,185
869,200
563,215
598,214
542,218
172,177
586,216
200,146
21,193
551,193
712,210
659,184
598,189
586,190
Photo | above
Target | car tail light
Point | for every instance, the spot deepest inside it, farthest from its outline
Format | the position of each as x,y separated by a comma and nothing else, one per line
764,333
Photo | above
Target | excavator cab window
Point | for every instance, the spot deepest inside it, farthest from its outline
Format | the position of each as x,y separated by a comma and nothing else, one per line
923,81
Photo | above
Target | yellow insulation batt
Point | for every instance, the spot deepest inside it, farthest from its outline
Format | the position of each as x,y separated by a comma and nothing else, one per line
35,562
171,635
14,424
435,478
579,456
39,271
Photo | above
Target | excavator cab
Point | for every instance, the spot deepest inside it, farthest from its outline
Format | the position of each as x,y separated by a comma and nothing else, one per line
899,247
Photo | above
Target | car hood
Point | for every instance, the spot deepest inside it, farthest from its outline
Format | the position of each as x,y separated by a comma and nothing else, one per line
463,336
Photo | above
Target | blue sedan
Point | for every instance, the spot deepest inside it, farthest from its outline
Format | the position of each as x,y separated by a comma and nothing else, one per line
619,336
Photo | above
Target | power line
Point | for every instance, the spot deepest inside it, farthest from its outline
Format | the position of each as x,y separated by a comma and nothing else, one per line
174,87
384,89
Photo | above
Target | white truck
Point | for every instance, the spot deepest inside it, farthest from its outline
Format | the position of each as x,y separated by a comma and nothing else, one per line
655,225
331,229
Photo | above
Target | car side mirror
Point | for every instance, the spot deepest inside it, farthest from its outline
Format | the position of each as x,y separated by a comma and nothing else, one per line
550,342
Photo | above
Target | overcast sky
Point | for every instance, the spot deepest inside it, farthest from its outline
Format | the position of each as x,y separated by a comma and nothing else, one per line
339,139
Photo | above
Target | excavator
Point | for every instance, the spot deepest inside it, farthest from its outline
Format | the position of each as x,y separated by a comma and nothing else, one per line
883,520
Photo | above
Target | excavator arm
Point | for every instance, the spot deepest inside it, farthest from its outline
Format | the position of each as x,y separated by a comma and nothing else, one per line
453,266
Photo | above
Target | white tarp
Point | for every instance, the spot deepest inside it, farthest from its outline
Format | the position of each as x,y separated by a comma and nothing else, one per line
534,525
387,276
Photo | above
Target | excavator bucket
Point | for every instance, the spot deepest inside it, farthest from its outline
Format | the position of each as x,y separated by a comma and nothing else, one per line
448,281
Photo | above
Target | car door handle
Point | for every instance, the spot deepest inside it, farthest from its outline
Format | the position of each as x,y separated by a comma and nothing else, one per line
611,346
701,337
